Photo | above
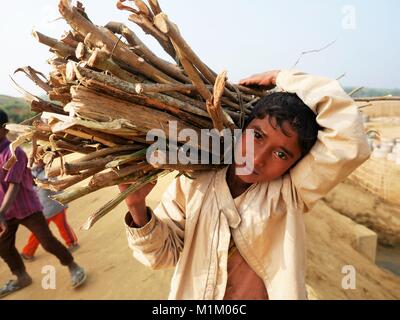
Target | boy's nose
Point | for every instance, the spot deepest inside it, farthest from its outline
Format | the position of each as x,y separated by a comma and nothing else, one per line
259,160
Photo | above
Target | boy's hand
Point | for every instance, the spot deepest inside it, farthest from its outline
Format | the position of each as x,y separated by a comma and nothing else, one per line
136,203
138,197
266,80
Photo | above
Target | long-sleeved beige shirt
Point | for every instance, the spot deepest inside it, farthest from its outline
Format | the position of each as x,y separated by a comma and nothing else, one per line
192,226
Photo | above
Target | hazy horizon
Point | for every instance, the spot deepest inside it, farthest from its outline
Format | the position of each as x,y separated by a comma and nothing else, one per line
242,37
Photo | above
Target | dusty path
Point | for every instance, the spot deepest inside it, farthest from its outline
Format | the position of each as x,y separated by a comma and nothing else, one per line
112,271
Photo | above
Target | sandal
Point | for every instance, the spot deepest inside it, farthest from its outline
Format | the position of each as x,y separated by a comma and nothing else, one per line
78,277
11,287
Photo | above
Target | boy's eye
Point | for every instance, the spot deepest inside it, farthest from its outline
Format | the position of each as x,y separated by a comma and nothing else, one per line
281,155
257,135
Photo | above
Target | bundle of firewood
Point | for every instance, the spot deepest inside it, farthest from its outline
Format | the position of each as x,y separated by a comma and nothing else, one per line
107,90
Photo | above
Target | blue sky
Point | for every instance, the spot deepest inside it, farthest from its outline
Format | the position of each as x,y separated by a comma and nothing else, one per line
241,36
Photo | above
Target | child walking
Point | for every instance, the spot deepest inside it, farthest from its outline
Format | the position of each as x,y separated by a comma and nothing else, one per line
231,235
54,212
20,205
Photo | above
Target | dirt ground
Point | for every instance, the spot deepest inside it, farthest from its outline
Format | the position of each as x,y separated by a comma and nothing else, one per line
112,271
114,274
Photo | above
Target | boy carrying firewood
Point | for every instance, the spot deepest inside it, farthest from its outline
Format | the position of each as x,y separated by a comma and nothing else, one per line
242,236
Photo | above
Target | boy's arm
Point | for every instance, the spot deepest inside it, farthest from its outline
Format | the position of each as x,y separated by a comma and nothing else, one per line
342,143
13,177
158,244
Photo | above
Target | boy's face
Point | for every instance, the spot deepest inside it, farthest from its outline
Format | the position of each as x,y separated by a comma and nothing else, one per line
274,152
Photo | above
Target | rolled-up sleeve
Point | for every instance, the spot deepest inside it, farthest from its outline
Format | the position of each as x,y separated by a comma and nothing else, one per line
159,243
342,143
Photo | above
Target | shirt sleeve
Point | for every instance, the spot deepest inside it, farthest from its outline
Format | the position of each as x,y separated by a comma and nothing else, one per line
341,145
159,243
17,171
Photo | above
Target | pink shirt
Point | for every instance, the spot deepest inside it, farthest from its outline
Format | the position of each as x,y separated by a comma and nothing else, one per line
26,202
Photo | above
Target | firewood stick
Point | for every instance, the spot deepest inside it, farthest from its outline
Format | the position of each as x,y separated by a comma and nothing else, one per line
219,117
44,106
155,99
108,151
97,154
137,184
60,144
167,27
189,168
234,115
62,184
147,88
101,39
59,47
68,39
64,98
102,178
140,48
87,136
101,60
155,7
188,57
98,56
144,9
75,168
148,27
193,74
164,104
162,22
71,195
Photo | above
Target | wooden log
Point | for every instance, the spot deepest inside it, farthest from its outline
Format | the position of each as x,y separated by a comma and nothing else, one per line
56,46
101,60
142,50
160,101
155,7
62,184
152,88
44,106
162,22
63,145
75,168
163,104
68,39
167,27
94,155
71,195
149,28
214,105
103,108
102,179
114,47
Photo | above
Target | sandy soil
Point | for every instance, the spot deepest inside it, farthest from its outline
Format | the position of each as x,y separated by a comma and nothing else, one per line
112,271
114,274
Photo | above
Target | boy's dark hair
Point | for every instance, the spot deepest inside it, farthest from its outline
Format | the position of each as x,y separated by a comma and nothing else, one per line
282,107
3,118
